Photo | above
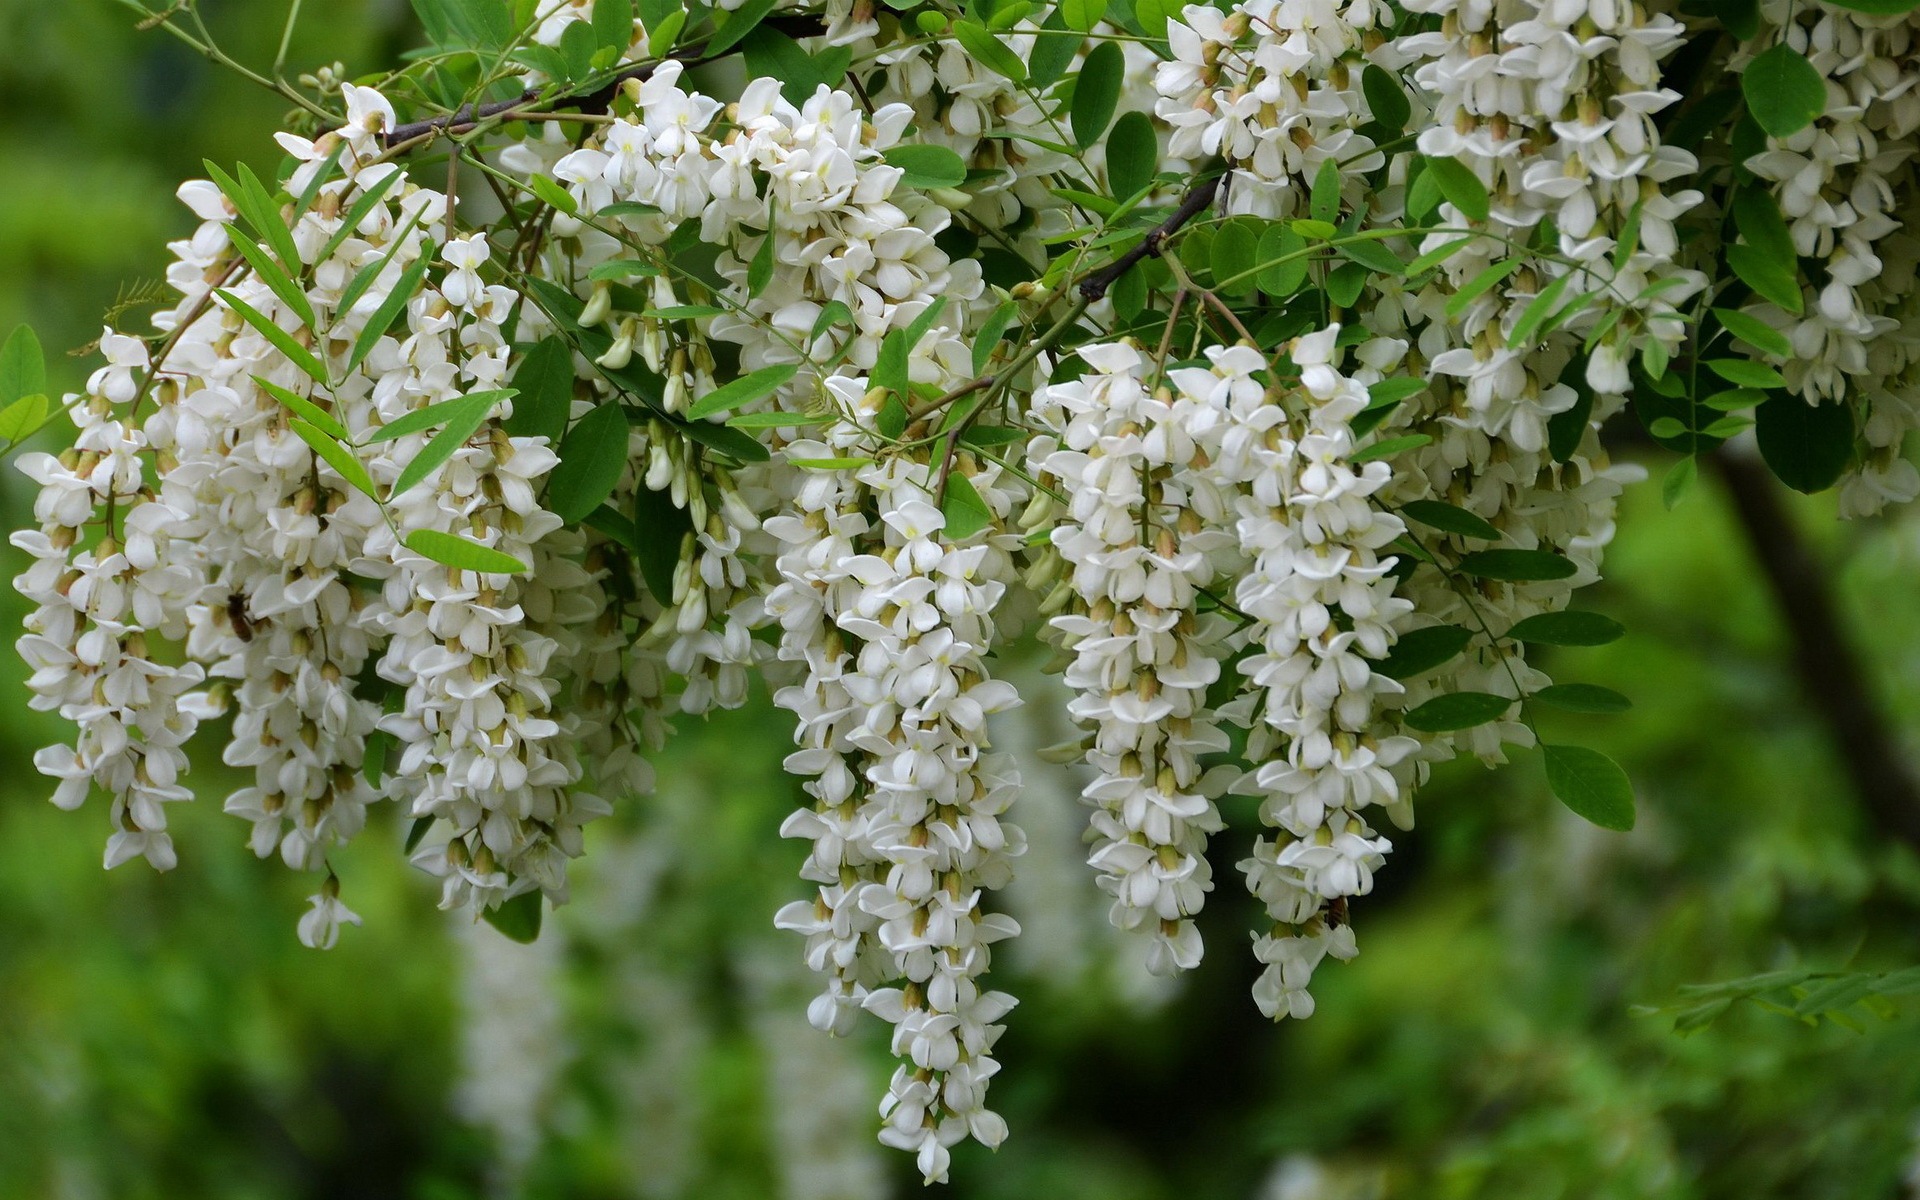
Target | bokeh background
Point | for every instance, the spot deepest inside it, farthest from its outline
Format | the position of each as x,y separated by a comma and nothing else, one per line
169,1037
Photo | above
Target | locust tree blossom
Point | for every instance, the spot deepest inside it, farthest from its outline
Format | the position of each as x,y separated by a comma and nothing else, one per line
1257,358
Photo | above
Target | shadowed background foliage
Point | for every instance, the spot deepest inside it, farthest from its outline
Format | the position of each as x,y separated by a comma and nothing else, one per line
170,1038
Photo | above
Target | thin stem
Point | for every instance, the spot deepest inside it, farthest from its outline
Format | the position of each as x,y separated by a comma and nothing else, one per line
286,37
214,54
1094,287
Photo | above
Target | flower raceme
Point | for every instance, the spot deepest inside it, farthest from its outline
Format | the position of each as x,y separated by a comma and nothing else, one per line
1255,357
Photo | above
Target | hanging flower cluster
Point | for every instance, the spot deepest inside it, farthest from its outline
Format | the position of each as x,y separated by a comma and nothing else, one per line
1265,352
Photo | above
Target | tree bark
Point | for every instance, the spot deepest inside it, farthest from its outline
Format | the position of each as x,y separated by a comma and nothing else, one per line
1829,669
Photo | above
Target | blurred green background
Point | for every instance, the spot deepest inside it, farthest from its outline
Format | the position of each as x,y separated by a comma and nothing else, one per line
169,1037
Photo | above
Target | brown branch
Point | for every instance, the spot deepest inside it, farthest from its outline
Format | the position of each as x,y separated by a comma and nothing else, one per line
1095,286
469,116
1828,668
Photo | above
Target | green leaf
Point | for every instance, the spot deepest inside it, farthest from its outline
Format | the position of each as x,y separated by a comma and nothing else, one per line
1439,254
1096,90
21,418
1740,17
989,436
1153,16
1473,288
927,319
1735,399
1517,566
350,223
1323,199
1282,274
461,424
1806,445
1054,49
363,279
1572,627
1754,332
1761,225
1390,447
1374,256
744,390
1234,253
772,53
462,554
1451,519
661,529
282,341
1591,784
390,309
23,366
847,463
1461,187
1133,154
1387,392
416,832
1835,994
1537,311
468,411
1457,710
306,410
891,419
1667,427
1882,8
1385,97
760,270
592,459
1583,698
834,312
303,203
684,312
517,919
966,513
269,273
991,331
1421,650
1784,92
927,166
989,51
629,208
1745,373
265,216
338,457
1423,194
1566,430
1319,231
553,195
544,387
1083,15
738,24
613,24
780,420
1680,477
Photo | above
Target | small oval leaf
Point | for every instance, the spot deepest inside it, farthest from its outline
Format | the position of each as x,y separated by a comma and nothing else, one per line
1517,566
1457,710
1570,628
462,554
1591,784
592,459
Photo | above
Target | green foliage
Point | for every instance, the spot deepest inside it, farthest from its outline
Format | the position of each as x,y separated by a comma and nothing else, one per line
1784,92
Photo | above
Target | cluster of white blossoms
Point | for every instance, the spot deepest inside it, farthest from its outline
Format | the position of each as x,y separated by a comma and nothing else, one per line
451,497
1844,186
1273,87
1143,528
1322,607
